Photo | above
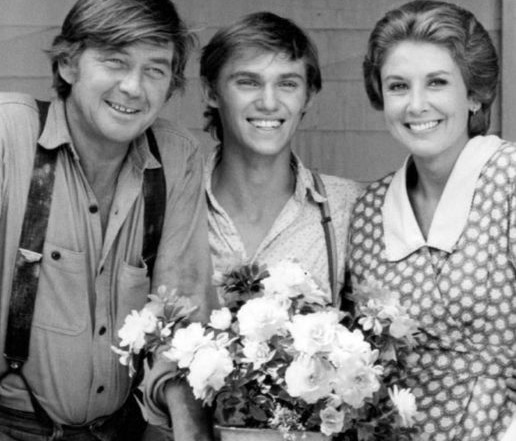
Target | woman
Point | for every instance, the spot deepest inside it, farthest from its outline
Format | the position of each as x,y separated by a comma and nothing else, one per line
441,230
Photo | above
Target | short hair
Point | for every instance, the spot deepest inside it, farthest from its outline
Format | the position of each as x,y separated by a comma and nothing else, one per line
263,31
446,25
115,24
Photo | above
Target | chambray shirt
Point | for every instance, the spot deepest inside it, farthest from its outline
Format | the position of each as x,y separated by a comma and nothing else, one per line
85,294
296,234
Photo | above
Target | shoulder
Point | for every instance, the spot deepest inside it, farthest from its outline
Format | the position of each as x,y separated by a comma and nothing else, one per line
374,192
14,106
174,136
342,187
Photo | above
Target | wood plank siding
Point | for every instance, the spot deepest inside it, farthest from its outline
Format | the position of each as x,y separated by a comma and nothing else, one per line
341,134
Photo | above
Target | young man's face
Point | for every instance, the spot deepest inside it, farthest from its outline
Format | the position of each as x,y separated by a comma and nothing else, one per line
261,98
116,94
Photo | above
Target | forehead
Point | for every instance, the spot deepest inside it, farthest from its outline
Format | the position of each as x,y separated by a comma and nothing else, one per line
418,57
263,63
156,52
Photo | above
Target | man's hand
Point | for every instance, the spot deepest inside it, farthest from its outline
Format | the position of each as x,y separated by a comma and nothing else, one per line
190,420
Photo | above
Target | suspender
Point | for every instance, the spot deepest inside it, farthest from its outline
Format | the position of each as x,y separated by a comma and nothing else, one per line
329,234
34,228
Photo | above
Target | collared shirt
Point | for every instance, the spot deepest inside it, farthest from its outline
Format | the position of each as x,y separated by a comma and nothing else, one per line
297,232
402,233
89,284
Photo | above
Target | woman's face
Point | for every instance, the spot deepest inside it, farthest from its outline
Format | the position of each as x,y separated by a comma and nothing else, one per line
426,103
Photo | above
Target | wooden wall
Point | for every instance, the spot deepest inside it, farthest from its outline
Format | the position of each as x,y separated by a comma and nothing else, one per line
341,134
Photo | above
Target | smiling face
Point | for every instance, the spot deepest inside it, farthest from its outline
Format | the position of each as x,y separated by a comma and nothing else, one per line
116,94
426,103
261,98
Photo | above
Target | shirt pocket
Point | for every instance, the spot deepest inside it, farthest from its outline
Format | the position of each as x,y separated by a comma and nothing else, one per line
134,288
62,304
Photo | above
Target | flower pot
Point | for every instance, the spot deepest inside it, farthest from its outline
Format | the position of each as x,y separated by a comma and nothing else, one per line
248,434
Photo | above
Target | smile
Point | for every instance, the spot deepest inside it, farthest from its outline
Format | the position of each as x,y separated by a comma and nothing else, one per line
122,109
421,127
267,124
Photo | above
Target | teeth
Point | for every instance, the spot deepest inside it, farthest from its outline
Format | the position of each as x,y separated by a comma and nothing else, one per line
419,127
265,123
122,109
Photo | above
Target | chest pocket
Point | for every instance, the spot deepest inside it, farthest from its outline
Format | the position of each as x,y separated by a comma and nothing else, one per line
61,310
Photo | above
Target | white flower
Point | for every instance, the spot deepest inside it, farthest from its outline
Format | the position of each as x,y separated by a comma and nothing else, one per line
125,356
314,332
332,420
220,319
185,342
256,352
136,325
208,370
405,403
261,318
356,381
309,378
371,322
288,279
349,345
403,326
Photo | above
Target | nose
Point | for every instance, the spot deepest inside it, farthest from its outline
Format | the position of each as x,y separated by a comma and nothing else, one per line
417,100
268,99
131,82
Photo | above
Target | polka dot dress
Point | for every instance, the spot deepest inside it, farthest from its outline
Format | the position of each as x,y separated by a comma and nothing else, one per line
465,302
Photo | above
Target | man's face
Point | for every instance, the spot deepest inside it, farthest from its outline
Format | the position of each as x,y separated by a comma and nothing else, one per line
116,94
261,98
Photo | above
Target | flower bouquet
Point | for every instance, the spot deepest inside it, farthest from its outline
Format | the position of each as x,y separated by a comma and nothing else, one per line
278,356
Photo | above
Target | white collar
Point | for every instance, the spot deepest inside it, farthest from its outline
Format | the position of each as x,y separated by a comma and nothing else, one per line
402,234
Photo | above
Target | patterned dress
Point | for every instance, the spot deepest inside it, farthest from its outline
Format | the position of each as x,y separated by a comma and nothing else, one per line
464,298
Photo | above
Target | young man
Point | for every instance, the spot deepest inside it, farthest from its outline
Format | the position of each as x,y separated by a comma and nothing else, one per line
260,77
118,210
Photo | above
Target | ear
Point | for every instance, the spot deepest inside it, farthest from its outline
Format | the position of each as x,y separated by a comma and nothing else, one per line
209,94
68,70
310,98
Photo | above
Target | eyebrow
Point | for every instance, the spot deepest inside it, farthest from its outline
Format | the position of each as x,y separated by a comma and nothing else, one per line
430,74
164,61
244,73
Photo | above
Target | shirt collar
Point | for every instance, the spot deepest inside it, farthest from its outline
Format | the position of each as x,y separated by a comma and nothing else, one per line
402,234
56,134
304,179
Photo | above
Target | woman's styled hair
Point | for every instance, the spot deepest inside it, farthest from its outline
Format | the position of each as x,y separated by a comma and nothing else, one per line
446,25
113,24
262,31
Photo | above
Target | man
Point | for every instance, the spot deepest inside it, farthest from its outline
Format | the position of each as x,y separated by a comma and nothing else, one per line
98,174
260,77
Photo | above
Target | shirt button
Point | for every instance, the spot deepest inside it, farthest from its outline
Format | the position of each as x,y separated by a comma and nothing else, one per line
93,209
56,255
102,330
100,389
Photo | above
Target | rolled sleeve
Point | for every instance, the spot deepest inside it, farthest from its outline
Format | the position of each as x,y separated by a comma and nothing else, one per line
183,262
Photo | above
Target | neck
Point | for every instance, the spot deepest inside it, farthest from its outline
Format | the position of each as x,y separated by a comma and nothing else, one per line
251,183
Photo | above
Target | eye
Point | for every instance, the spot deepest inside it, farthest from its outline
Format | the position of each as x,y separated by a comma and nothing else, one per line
246,83
114,62
438,82
397,86
156,72
289,85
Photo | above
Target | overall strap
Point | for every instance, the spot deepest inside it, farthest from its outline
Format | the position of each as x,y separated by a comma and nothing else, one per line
28,263
29,254
329,234
155,197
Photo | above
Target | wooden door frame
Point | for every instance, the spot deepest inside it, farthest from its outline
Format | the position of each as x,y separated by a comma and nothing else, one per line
508,70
